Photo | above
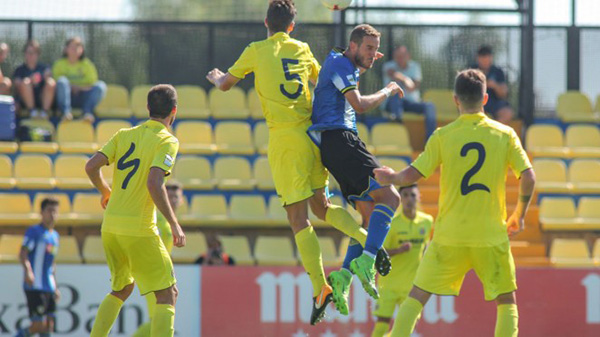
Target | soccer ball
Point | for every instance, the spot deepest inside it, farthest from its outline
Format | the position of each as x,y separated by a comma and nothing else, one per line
336,5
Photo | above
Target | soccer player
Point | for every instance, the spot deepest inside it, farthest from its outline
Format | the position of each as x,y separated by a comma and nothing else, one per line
144,155
470,231
40,246
283,68
337,100
410,232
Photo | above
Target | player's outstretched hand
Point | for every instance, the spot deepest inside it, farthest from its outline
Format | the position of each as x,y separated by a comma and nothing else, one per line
395,89
384,175
178,236
515,224
214,75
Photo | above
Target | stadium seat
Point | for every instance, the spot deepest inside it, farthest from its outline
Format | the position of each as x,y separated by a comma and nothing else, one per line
195,138
68,250
254,105
76,137
570,253
34,171
595,252
274,251
445,108
228,105
86,209
574,106
8,147
69,171
396,163
588,211
139,100
195,173
390,139
546,141
10,248
64,204
584,174
248,210
551,176
276,212
93,250
194,248
107,128
233,173
115,103
6,173
238,247
262,174
36,145
16,209
558,214
583,141
191,102
328,252
365,135
261,137
234,138
206,210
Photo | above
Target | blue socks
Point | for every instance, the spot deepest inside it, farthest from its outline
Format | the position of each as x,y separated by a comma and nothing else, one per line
354,251
379,226
23,333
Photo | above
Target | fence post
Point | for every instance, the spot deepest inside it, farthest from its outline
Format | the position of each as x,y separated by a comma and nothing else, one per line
29,30
526,98
573,47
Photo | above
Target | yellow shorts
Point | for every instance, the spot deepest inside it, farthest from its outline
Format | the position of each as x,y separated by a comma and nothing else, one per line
387,302
295,165
443,269
143,259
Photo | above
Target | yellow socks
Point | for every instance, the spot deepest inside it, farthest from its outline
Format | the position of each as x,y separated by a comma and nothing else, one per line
380,330
106,316
143,330
507,321
163,321
310,254
341,220
407,317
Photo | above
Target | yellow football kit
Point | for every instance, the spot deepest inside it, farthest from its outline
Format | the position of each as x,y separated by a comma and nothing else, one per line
134,250
475,153
394,288
164,230
283,68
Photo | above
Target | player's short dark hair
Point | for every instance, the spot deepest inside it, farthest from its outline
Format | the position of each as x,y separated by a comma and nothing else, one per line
77,40
33,44
470,87
173,185
47,202
162,98
280,15
360,31
400,189
484,50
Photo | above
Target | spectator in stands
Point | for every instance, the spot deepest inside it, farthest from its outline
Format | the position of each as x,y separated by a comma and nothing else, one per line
215,255
34,85
5,83
407,73
497,89
77,83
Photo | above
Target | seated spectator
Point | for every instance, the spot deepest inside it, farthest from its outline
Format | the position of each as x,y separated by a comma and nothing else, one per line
5,83
215,255
407,73
497,105
34,86
77,82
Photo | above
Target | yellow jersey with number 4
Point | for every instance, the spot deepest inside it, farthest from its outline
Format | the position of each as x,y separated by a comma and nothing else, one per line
131,210
474,153
282,67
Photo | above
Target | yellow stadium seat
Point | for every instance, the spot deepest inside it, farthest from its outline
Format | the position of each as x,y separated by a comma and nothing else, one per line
233,173
191,102
584,174
328,252
276,212
546,141
589,213
574,106
6,173
195,138
76,137
70,173
558,214
234,138
206,210
64,204
68,250
228,105
115,104
8,147
390,139
86,209
595,252
139,100
445,108
93,250
194,248
262,174
237,247
396,163
248,210
274,251
583,141
107,128
551,176
195,173
570,253
37,146
254,105
34,171
261,138
10,248
16,209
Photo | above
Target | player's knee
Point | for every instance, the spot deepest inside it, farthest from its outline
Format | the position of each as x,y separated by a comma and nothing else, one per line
319,209
124,293
509,298
167,296
391,198
297,216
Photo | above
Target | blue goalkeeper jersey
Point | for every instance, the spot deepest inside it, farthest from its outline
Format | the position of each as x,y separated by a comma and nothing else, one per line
42,245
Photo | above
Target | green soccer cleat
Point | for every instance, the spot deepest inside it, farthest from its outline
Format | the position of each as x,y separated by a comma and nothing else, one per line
340,281
364,268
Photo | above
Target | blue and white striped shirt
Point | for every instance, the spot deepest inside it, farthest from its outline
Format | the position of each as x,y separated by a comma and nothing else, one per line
42,244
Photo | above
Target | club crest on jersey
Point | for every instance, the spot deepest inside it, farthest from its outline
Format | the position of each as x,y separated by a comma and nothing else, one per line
168,160
351,79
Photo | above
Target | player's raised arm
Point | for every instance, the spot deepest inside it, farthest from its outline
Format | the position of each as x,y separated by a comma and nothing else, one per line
362,104
387,176
222,81
92,168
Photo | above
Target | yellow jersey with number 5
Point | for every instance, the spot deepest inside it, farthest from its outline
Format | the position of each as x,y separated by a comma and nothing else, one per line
474,153
282,67
131,210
